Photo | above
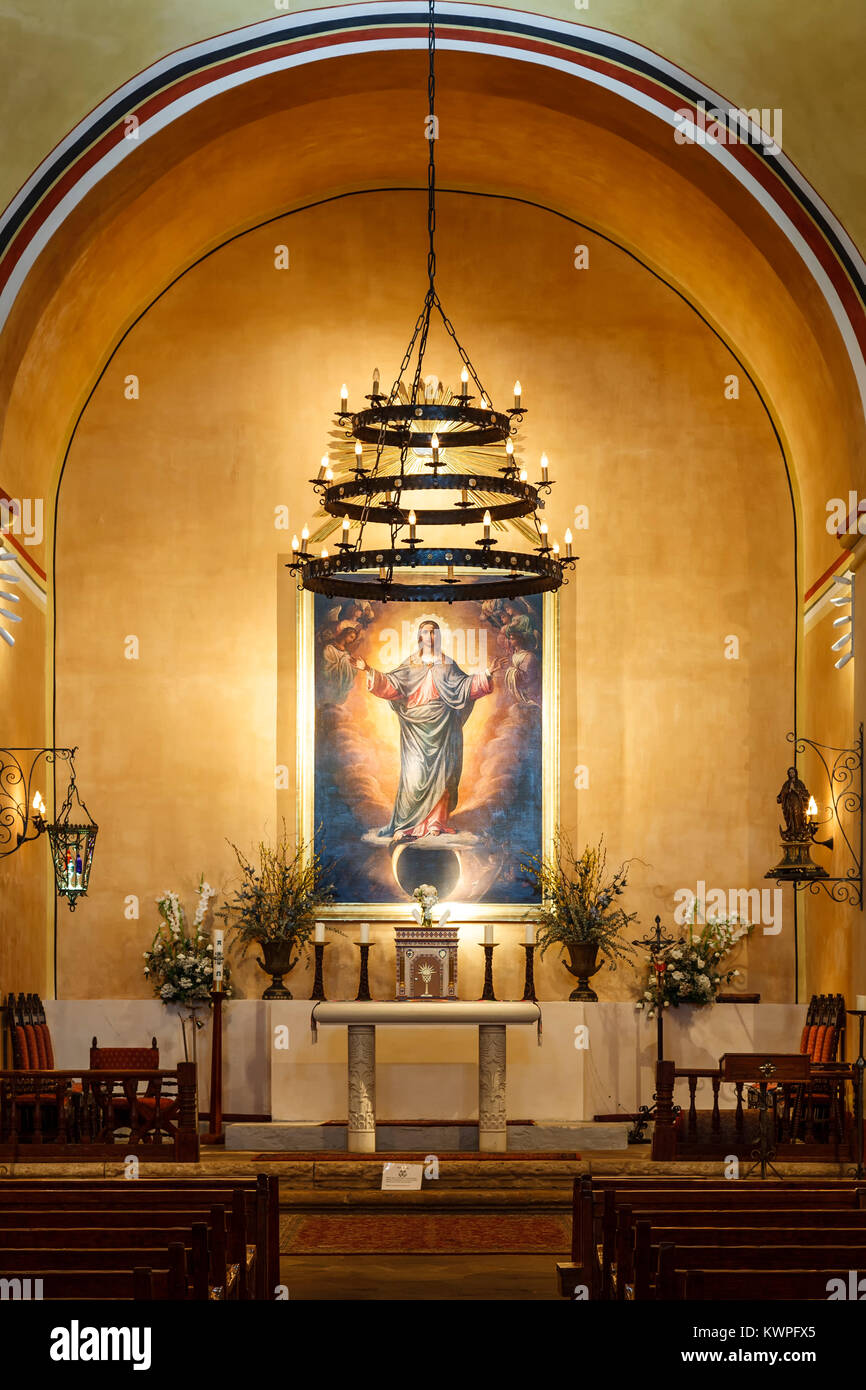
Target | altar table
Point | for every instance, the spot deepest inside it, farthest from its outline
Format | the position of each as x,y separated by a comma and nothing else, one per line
364,1017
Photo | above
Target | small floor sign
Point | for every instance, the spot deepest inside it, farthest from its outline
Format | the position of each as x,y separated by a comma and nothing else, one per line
402,1177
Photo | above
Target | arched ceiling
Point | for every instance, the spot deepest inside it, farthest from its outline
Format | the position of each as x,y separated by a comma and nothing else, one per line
250,126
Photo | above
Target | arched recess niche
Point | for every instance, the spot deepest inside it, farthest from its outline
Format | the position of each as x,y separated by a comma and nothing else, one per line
288,139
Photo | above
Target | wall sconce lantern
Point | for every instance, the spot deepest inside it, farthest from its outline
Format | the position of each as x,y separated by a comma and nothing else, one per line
844,771
23,818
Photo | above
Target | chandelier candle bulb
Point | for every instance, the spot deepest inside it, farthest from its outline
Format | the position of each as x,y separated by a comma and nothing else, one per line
375,381
464,497
345,528
517,395
434,444
568,544
305,535
329,475
556,547
359,453
487,526
413,521
323,467
543,529
344,399
324,553
523,475
365,933
544,467
295,546
464,382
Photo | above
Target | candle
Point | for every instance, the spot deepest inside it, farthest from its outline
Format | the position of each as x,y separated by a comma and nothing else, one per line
345,529
344,398
375,381
543,529
487,526
464,497
523,475
860,1003
484,404
320,932
365,933
324,552
218,940
413,521
464,382
450,571
305,536
568,541
323,467
529,934
434,445
555,548
359,454
488,934
517,395
544,467
329,475
294,546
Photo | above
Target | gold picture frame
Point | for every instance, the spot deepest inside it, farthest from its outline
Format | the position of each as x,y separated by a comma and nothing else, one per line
306,753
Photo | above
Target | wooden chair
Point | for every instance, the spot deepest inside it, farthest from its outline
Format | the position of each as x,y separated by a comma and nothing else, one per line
143,1112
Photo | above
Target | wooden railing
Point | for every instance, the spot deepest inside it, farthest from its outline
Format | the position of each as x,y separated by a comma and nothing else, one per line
64,1115
813,1119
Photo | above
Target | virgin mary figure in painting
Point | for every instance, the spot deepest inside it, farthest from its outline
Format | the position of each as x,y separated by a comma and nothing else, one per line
432,699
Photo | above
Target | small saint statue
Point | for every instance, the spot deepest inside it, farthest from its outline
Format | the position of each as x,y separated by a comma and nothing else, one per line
794,799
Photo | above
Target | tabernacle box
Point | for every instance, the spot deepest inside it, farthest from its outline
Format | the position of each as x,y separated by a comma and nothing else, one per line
765,1066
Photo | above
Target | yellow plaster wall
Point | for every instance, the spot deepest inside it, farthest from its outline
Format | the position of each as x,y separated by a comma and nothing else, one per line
173,498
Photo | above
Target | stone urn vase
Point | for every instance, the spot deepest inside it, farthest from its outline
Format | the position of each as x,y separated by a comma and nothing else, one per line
277,962
584,962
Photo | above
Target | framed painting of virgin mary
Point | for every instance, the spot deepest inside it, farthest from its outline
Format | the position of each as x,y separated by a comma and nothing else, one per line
428,748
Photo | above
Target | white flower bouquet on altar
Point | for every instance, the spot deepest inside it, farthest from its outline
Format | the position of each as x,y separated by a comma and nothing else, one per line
691,972
179,963
426,897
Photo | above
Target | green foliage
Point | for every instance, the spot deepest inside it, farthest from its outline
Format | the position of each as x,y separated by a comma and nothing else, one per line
577,899
279,897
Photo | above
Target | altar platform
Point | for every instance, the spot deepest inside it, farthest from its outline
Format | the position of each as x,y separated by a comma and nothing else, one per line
594,1059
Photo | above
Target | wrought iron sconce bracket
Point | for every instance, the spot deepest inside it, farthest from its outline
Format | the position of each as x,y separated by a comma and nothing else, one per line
18,820
844,770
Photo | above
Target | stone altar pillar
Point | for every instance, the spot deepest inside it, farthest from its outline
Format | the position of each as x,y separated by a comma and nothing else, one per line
362,1088
491,1087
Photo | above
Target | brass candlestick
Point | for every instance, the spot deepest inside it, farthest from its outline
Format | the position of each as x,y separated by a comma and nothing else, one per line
318,984
489,948
364,981
529,974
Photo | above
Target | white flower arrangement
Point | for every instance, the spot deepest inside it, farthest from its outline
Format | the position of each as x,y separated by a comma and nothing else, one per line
179,964
426,896
691,972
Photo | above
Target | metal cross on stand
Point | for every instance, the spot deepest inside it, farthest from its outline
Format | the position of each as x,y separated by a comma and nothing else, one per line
655,943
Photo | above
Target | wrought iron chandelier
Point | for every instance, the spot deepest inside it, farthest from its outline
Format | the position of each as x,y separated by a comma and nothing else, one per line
399,445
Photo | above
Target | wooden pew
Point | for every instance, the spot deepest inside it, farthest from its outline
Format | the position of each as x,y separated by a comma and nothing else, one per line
596,1203
143,1202
675,1262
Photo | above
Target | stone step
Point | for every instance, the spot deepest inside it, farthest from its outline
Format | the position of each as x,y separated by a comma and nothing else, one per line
288,1136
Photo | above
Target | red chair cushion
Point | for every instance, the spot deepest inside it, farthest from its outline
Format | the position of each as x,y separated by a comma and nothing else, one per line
124,1058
